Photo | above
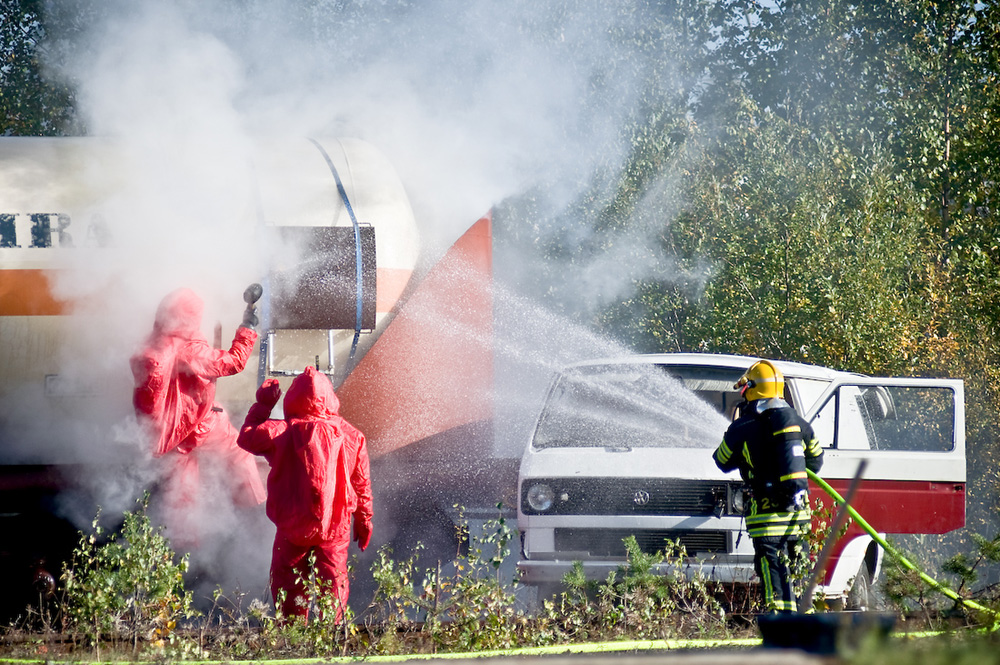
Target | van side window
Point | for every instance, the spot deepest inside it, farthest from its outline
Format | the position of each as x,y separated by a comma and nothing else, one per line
905,418
853,424
919,419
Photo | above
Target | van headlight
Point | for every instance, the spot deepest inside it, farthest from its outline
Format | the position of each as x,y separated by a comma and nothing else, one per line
540,497
739,500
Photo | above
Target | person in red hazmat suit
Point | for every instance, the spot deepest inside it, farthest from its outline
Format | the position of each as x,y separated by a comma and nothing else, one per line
174,399
319,479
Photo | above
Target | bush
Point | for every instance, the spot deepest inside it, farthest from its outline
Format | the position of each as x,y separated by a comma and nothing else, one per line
463,606
126,587
651,596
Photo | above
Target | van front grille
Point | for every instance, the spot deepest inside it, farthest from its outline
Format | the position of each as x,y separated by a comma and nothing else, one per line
608,542
629,496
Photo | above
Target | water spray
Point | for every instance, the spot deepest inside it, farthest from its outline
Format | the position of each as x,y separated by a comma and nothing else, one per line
903,561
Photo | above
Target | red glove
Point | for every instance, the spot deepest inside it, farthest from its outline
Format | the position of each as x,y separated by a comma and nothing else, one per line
362,532
269,393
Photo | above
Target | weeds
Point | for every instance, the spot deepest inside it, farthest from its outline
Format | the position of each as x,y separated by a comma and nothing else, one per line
123,595
651,596
128,589
463,606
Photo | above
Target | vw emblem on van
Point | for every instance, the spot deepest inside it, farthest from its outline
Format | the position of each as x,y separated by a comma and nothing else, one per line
641,498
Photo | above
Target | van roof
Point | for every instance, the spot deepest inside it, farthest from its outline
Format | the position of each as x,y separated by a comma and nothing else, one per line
788,368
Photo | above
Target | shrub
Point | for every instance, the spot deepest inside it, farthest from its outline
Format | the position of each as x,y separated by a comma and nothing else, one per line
651,596
126,587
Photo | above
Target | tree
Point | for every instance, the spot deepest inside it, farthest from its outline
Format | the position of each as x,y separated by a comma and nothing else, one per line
812,250
31,103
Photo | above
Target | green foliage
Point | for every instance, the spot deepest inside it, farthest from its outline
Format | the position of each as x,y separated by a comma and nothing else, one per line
953,648
462,607
964,566
651,596
125,593
127,586
813,250
325,632
31,102
907,593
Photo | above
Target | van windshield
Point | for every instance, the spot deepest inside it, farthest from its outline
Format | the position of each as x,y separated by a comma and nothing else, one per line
635,406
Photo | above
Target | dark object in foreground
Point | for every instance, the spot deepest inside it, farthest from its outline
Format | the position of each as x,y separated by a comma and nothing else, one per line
823,633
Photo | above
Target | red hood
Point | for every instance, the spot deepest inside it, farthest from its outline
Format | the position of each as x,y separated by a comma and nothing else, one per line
311,396
179,314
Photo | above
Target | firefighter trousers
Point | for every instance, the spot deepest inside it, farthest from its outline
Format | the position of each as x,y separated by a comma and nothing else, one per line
774,557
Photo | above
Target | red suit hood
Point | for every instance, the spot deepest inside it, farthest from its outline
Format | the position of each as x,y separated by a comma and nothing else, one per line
179,314
311,397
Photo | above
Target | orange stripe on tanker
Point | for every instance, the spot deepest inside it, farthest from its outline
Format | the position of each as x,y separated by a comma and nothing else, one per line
28,293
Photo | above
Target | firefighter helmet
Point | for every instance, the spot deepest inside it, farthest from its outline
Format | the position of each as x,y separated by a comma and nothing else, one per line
762,381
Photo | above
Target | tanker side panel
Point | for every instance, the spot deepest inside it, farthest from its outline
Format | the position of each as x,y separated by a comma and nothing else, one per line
65,383
58,226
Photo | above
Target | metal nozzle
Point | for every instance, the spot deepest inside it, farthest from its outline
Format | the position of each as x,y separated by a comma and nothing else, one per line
253,293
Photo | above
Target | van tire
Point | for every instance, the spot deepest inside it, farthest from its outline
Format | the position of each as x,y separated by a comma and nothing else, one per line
864,595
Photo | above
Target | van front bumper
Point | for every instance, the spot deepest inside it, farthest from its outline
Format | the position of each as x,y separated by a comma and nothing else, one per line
732,570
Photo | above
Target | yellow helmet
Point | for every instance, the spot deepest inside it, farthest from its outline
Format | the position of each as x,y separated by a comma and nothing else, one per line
762,381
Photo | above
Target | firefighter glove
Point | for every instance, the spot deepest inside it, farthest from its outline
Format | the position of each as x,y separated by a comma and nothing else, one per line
250,317
362,532
269,393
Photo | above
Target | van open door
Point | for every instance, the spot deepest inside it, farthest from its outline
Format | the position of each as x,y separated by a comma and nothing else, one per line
912,434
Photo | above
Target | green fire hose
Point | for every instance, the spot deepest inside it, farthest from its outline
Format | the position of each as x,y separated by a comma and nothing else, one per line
903,561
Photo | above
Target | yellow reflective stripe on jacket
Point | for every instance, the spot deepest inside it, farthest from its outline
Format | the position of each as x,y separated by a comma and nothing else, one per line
789,429
778,524
724,452
778,518
779,530
793,476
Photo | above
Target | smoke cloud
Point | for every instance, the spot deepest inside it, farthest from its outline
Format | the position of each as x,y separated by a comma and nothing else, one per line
472,102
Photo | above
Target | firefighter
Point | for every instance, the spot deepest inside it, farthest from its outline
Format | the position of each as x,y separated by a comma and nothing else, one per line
772,446
319,480
174,398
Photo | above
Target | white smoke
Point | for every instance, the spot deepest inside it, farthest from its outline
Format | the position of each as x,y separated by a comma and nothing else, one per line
472,101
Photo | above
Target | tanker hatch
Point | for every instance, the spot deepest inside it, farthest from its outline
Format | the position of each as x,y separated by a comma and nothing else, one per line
325,291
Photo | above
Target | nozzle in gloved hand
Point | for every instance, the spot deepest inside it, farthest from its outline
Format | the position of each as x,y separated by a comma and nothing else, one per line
253,293
250,319
250,296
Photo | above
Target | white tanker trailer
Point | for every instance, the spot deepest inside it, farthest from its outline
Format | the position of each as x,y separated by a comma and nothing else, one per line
326,226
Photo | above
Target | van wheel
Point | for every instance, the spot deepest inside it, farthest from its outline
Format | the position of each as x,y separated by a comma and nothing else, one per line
864,594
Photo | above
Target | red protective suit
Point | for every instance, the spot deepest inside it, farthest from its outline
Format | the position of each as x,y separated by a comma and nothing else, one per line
174,400
319,478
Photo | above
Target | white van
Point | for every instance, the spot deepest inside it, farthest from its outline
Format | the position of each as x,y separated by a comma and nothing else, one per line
624,447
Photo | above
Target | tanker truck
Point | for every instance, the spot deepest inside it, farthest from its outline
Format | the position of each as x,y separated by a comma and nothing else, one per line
403,333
